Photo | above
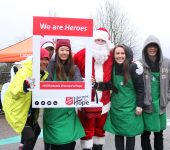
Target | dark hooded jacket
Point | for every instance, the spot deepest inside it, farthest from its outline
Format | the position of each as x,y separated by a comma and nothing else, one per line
162,65
137,78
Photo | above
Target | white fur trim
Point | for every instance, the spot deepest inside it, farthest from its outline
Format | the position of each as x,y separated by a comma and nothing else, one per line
99,77
98,72
86,143
99,140
106,108
99,34
47,44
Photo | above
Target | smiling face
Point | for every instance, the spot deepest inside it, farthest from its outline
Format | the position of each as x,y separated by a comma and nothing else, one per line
44,63
152,49
119,55
63,53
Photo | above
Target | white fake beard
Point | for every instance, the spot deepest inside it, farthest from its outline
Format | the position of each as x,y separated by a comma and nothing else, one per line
100,53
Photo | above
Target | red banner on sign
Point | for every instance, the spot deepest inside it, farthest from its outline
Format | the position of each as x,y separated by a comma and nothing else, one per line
62,26
68,85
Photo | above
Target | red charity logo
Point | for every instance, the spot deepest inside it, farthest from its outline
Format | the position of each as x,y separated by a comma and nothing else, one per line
69,100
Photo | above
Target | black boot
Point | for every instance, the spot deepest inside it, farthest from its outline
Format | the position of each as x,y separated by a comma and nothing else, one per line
97,147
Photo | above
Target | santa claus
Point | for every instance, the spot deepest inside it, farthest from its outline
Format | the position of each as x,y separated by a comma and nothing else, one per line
93,119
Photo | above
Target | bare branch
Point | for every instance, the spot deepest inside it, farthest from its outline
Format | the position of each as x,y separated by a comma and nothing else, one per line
115,20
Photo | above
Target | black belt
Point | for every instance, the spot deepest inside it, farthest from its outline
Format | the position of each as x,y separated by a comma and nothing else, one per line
104,86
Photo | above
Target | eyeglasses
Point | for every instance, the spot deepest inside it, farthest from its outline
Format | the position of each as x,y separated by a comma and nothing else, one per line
152,45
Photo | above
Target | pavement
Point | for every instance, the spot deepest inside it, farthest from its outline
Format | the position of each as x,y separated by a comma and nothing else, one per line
9,140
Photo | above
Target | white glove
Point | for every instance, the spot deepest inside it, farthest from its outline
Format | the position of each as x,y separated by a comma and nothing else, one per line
139,69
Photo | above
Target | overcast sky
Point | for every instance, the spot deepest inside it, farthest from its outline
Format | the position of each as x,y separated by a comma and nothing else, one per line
149,17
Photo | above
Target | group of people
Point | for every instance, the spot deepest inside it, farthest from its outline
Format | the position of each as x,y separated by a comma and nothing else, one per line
134,95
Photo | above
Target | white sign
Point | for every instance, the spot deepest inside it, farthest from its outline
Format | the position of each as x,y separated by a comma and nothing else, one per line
50,94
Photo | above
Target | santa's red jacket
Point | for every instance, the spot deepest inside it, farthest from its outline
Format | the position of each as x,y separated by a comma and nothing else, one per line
103,72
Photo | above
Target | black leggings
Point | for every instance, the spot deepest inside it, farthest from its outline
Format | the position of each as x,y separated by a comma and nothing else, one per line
119,143
29,136
0,103
158,140
69,146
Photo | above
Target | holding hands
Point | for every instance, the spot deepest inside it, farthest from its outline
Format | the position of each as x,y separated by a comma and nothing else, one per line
139,110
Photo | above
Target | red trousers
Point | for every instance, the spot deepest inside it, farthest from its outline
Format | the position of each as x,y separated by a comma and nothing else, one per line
92,126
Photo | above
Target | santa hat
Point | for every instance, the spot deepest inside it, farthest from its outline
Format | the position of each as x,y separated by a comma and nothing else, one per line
63,42
102,33
44,54
79,60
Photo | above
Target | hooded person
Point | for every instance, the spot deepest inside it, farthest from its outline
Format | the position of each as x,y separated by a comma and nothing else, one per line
93,119
17,103
156,77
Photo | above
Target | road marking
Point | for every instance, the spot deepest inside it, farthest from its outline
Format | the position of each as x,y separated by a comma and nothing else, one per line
15,139
168,122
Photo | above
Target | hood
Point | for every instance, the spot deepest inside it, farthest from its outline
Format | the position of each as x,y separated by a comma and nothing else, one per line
18,65
129,52
27,62
149,40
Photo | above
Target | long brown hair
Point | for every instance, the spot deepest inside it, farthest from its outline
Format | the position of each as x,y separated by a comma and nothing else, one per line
125,63
65,71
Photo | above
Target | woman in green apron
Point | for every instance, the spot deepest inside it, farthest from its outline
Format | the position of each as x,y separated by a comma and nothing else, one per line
156,78
125,119
61,126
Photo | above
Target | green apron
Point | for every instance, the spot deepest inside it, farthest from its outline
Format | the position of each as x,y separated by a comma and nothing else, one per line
122,119
154,121
61,125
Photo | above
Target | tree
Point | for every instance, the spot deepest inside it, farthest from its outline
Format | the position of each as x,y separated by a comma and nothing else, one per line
110,16
5,72
52,13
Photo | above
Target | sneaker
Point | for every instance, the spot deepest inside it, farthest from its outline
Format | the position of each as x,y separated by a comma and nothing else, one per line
20,147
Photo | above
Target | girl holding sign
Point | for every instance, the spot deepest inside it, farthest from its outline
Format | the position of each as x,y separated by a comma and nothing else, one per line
61,126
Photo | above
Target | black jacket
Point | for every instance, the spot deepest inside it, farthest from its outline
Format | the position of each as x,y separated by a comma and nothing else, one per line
137,80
